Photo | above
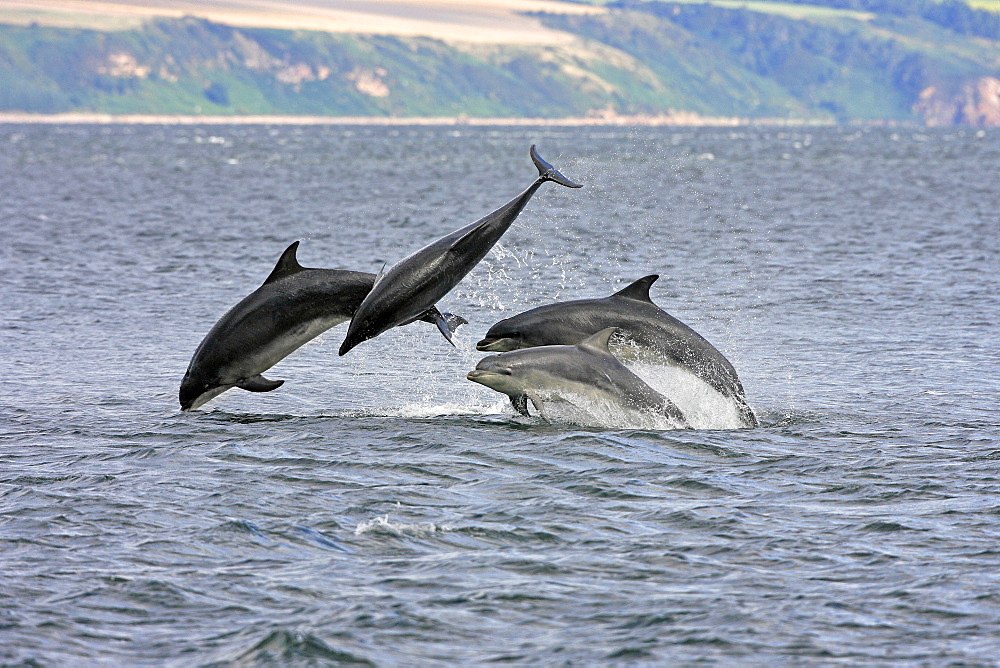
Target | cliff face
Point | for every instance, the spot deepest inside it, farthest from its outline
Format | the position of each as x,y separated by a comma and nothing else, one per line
976,103
650,59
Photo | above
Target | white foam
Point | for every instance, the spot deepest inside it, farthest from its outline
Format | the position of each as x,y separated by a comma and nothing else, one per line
701,404
438,410
385,525
589,412
703,407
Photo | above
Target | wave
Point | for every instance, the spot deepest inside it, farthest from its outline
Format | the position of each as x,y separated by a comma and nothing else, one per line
283,648
384,525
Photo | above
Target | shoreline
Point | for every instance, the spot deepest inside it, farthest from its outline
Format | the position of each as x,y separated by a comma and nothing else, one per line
662,120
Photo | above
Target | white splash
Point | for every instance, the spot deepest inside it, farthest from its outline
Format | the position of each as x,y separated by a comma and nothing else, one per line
438,410
701,404
590,412
384,525
703,407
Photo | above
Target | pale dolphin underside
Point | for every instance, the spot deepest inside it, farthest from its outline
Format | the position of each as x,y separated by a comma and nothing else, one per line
418,281
586,370
644,330
293,306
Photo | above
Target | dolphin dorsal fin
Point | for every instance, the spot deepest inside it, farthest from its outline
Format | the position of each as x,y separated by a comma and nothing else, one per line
639,290
598,341
287,264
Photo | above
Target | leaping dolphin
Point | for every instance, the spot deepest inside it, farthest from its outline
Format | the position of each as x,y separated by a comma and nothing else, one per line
293,306
586,371
651,331
416,283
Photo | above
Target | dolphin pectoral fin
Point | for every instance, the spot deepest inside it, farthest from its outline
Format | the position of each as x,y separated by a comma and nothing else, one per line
380,274
536,401
547,172
671,411
259,384
746,412
520,404
447,323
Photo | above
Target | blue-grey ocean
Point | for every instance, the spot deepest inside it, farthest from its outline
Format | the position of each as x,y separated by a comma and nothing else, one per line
380,509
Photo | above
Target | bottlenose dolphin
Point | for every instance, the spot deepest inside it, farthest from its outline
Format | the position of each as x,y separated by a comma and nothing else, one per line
645,331
585,371
293,306
418,281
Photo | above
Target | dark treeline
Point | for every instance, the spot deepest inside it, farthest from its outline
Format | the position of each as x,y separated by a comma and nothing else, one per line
953,15
800,55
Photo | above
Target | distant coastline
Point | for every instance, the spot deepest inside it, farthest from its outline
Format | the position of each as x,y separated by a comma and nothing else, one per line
679,119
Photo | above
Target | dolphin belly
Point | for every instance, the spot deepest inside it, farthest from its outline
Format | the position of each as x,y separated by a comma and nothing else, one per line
282,344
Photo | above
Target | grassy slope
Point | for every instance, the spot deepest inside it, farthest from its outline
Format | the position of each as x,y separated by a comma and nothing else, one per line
829,64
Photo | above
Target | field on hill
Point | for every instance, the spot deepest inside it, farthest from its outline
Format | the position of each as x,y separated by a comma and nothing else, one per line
490,21
823,61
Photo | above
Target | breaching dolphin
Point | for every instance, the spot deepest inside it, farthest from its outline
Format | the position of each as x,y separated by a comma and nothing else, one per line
416,283
585,371
293,306
644,331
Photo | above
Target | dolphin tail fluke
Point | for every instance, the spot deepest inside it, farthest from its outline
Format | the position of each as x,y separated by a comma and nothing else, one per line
448,323
547,172
260,384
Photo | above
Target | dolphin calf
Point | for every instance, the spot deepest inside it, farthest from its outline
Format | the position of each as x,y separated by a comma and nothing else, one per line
414,284
586,371
293,306
645,331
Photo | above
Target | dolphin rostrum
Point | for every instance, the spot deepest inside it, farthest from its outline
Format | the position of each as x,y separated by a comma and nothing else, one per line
293,306
644,330
586,371
414,284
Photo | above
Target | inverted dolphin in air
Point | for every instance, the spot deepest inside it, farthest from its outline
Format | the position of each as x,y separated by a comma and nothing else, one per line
645,331
416,283
293,306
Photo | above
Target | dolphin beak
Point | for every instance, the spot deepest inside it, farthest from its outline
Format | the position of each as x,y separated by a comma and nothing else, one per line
496,345
484,376
187,397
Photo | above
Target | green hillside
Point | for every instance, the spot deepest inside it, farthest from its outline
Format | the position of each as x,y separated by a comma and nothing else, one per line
830,60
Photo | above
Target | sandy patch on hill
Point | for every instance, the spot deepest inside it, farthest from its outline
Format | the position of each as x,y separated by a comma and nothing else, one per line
482,21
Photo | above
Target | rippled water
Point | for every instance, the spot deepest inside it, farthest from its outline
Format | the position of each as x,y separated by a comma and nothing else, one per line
379,508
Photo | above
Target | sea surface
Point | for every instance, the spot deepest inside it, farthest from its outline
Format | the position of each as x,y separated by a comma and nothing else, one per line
380,509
